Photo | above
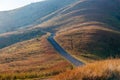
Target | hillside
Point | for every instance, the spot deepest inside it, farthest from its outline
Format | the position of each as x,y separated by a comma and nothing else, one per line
93,25
19,20
102,70
91,42
89,30
31,59
83,12
9,38
25,16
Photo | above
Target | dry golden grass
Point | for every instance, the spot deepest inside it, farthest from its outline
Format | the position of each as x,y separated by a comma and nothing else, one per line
31,59
102,70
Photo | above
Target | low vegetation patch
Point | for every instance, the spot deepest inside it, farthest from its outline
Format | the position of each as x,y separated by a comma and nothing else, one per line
102,70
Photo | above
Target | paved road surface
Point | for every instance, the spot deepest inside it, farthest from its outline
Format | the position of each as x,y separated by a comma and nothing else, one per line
62,52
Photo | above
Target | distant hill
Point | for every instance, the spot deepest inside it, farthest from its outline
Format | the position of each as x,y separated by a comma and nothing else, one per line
27,15
102,12
7,39
15,23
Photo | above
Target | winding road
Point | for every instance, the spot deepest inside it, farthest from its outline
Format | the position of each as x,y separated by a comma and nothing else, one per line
63,53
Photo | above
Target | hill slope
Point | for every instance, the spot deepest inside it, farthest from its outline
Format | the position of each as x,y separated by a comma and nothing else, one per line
93,24
20,19
94,42
85,11
27,15
9,38
31,59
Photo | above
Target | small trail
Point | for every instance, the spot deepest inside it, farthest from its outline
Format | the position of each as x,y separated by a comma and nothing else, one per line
63,53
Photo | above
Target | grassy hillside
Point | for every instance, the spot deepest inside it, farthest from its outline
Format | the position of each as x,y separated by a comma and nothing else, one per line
92,42
85,11
7,39
25,16
20,19
93,25
77,15
102,70
87,29
32,59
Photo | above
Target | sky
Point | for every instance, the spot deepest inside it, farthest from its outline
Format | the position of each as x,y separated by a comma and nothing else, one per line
13,4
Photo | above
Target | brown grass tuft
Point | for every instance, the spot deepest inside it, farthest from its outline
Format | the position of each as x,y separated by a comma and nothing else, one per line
102,70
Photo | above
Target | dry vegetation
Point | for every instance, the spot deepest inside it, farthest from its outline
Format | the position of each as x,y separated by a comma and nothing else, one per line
31,59
90,42
102,70
87,32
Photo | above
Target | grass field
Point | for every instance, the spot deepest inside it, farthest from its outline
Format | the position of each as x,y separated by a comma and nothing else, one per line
31,59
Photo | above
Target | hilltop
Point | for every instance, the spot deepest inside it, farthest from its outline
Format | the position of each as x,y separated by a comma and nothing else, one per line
26,16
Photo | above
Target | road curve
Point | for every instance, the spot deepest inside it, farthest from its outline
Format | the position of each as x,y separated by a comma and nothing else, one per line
63,53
